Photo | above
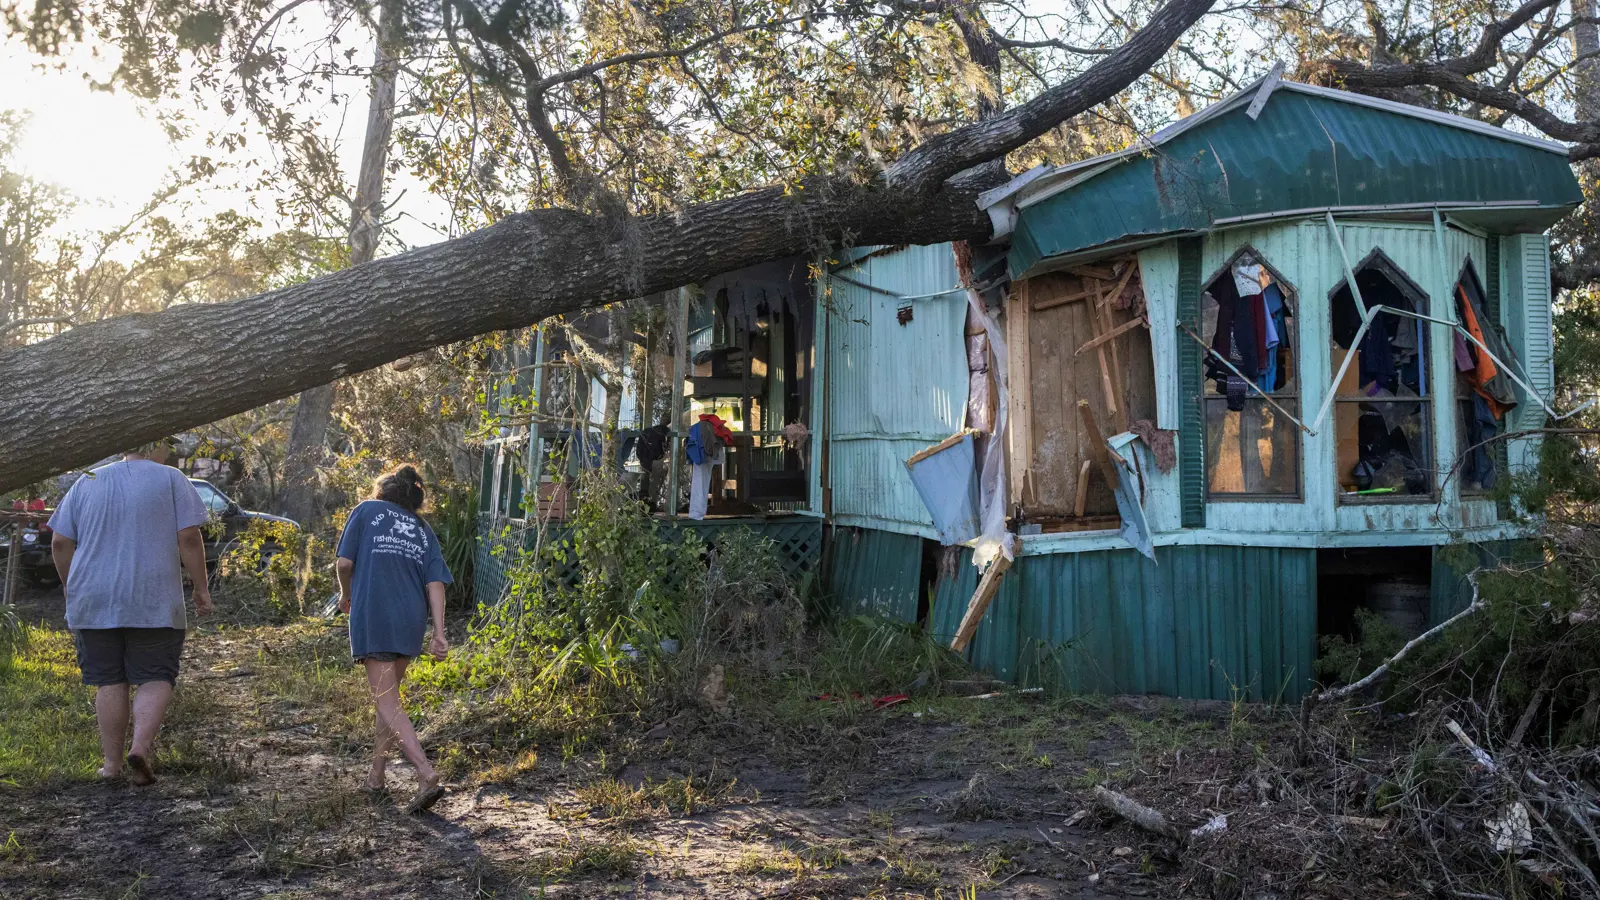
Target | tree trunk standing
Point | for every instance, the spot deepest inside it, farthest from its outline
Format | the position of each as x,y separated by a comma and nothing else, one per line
104,386
1586,72
308,434
615,351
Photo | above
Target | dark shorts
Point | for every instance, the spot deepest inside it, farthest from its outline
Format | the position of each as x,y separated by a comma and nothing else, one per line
382,657
128,655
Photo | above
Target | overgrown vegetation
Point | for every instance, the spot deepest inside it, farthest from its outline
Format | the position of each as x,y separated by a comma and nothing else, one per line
615,624
49,731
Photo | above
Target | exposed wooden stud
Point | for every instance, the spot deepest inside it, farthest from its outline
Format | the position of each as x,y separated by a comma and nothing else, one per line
1122,285
1062,300
987,588
1108,324
1098,451
1020,421
1114,333
1093,272
1106,384
948,442
1082,499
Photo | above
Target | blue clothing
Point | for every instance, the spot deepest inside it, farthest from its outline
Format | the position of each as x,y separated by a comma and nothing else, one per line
396,556
699,446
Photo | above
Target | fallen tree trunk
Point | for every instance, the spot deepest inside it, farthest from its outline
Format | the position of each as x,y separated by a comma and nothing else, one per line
103,387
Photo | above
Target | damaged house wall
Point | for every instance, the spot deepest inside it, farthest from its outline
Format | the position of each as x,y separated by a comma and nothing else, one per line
1274,213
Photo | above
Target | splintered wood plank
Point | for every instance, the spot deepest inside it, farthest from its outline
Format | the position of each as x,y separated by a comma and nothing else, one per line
1113,334
981,598
1097,272
948,442
1106,384
1098,451
1127,275
1020,425
1062,300
1083,489
1118,409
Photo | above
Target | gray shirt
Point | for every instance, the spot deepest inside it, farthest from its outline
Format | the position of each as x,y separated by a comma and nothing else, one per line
125,518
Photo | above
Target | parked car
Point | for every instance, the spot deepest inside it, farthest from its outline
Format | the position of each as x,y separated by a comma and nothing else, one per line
38,566
235,519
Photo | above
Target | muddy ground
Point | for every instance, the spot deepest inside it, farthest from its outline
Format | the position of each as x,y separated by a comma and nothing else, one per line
960,798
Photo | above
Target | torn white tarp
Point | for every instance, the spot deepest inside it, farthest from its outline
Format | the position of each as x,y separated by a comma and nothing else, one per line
996,540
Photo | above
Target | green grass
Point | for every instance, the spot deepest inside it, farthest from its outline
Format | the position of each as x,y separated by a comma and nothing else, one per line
49,733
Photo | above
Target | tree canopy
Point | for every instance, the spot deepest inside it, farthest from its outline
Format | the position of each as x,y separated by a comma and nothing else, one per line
590,152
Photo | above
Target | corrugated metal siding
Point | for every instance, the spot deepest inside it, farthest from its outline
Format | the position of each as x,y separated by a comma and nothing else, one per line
1207,622
892,389
1191,427
873,572
1304,152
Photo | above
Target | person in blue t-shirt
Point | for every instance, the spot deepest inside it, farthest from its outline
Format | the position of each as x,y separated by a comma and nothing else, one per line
391,578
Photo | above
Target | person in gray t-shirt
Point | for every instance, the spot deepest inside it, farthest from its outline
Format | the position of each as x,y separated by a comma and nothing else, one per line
120,534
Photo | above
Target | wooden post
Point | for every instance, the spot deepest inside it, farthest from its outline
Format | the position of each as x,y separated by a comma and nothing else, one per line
1098,451
1020,420
680,370
987,588
12,569
1082,499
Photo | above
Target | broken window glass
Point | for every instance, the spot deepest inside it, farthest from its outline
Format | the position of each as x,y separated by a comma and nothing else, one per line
1383,414
1252,443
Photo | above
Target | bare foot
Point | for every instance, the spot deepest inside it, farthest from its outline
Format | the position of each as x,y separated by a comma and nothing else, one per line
141,775
110,774
377,784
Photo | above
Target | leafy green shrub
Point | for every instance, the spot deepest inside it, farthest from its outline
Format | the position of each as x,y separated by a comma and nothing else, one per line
273,573
454,518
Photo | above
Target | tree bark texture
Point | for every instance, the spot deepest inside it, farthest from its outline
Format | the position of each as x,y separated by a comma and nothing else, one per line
100,387
308,435
1586,52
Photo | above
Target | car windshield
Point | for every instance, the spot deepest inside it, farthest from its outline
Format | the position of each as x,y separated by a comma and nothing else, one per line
211,497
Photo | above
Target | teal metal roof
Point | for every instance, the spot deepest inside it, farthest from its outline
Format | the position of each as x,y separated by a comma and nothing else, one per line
1311,149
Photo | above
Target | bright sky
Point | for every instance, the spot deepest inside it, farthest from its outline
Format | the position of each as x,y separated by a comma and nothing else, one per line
105,150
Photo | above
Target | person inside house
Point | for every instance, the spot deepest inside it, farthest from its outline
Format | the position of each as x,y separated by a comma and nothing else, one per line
391,582
121,534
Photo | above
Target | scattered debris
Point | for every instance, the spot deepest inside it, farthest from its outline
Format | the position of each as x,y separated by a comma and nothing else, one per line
714,689
1133,811
1033,691
1511,830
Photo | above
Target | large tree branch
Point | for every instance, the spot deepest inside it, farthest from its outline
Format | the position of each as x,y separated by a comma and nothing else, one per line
1383,78
938,158
106,386
1453,75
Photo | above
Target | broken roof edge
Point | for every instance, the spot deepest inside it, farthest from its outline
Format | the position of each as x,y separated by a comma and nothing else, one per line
1042,182
1048,264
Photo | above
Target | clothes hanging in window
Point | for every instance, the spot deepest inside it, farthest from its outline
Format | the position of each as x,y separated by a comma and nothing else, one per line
1486,378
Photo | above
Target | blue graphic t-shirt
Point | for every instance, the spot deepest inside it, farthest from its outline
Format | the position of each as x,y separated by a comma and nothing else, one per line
395,554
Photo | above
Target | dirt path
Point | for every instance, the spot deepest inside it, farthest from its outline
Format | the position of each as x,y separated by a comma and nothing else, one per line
260,798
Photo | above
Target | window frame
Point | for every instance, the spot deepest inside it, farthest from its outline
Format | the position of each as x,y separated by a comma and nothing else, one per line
1408,286
1292,299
